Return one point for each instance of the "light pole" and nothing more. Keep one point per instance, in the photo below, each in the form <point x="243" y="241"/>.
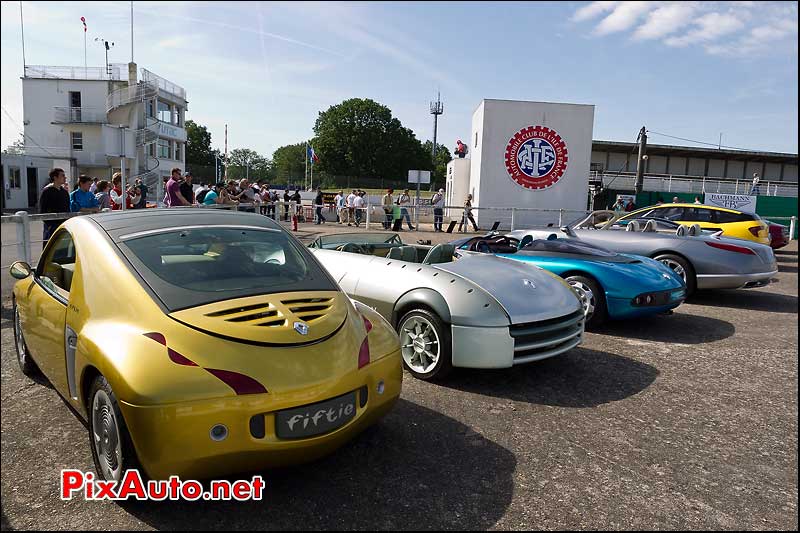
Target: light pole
<point x="437" y="108"/>
<point x="216" y="168"/>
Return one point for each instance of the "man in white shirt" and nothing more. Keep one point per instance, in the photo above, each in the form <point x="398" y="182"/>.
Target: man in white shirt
<point x="350" y="207"/>
<point x="438" y="205"/>
<point x="403" y="200"/>
<point x="358" y="206"/>
<point x="337" y="202"/>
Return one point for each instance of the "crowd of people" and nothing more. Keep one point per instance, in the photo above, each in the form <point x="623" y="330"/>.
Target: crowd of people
<point x="92" y="195"/>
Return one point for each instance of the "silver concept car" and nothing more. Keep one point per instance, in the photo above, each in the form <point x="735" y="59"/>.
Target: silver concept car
<point x="703" y="259"/>
<point x="478" y="311"/>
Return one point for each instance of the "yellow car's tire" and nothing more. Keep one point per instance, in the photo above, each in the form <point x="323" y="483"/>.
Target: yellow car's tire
<point x="425" y="344"/>
<point x="111" y="444"/>
<point x="24" y="359"/>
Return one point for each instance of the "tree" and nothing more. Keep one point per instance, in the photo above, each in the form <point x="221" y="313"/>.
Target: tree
<point x="443" y="156"/>
<point x="198" y="145"/>
<point x="17" y="147"/>
<point x="289" y="163"/>
<point x="243" y="162"/>
<point x="360" y="138"/>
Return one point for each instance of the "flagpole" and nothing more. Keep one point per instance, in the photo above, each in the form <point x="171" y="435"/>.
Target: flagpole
<point x="305" y="176"/>
<point x="22" y="29"/>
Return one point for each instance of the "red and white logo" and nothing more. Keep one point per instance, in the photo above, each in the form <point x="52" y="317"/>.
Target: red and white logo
<point x="536" y="157"/>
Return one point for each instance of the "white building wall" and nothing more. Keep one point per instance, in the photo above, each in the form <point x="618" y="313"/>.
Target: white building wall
<point x="657" y="164"/>
<point x="677" y="165"/>
<point x="497" y="121"/>
<point x="716" y="168"/>
<point x="697" y="166"/>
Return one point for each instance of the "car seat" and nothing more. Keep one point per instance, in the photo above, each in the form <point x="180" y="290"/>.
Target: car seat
<point x="695" y="230"/>
<point x="408" y="253"/>
<point x="441" y="253"/>
<point x="633" y="225"/>
<point x="681" y="231"/>
<point x="650" y="226"/>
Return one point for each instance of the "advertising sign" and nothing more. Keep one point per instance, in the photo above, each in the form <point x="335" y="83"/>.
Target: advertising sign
<point x="740" y="202"/>
<point x="419" y="176"/>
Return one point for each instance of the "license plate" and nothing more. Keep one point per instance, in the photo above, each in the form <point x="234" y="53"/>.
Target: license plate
<point x="315" y="419"/>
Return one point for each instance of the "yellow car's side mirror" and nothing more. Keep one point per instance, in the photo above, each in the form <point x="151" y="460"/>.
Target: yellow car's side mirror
<point x="20" y="270"/>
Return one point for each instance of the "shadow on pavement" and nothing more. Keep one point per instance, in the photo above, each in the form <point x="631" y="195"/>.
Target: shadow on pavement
<point x="786" y="252"/>
<point x="417" y="468"/>
<point x="679" y="328"/>
<point x="579" y="378"/>
<point x="787" y="268"/>
<point x="753" y="300"/>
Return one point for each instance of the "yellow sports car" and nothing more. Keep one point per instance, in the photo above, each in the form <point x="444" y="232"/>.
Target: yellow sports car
<point x="201" y="343"/>
<point x="732" y="223"/>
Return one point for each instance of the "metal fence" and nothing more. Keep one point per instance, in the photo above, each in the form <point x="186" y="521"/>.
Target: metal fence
<point x="693" y="184"/>
<point x="372" y="216"/>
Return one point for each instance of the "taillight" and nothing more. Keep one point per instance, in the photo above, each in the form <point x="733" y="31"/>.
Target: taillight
<point x="731" y="247"/>
<point x="363" y="352"/>
<point x="755" y="230"/>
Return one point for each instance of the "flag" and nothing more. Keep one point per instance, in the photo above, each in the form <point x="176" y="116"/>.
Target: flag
<point x="312" y="155"/>
<point x="83" y="19"/>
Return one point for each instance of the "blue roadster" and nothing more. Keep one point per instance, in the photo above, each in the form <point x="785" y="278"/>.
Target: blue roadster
<point x="610" y="285"/>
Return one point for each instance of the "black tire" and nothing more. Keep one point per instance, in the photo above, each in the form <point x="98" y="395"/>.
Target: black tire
<point x="444" y="362"/>
<point x="128" y="461"/>
<point x="584" y="285"/>
<point x="688" y="275"/>
<point x="24" y="358"/>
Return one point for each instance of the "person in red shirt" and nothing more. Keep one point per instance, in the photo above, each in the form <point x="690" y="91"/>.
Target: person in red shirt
<point x="116" y="193"/>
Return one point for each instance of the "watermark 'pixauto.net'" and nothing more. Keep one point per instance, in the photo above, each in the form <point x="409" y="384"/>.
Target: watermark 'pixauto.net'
<point x="77" y="484"/>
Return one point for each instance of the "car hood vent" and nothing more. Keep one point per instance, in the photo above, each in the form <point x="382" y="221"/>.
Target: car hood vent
<point x="284" y="319"/>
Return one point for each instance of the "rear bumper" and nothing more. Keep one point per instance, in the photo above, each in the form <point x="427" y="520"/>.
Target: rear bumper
<point x="174" y="439"/>
<point x="734" y="281"/>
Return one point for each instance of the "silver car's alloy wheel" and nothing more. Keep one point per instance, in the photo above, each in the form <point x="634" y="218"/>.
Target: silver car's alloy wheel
<point x="676" y="267"/>
<point x="586" y="295"/>
<point x="419" y="344"/>
<point x="106" y="438"/>
<point x="22" y="352"/>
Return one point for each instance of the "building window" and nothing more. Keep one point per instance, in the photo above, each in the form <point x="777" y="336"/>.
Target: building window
<point x="163" y="149"/>
<point x="164" y="113"/>
<point x="76" y="140"/>
<point x="476" y="139"/>
<point x="14" y="179"/>
<point x="177" y="151"/>
<point x="178" y="116"/>
<point x="151" y="110"/>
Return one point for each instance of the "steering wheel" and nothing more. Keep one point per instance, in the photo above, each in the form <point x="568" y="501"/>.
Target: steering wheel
<point x="352" y="248"/>
<point x="482" y="247"/>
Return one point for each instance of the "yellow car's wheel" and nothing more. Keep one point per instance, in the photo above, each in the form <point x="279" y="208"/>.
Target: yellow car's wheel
<point x="112" y="448"/>
<point x="26" y="364"/>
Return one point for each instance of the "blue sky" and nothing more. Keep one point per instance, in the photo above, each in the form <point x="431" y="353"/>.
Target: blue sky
<point x="687" y="69"/>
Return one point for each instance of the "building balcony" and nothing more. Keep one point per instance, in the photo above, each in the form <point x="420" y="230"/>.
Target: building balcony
<point x="164" y="86"/>
<point x="79" y="115"/>
<point x="115" y="72"/>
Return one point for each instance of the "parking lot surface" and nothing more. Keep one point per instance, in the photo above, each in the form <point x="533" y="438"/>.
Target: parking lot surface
<point x="686" y="421"/>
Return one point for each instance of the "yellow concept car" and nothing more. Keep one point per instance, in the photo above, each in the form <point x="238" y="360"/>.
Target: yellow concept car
<point x="201" y="343"/>
<point x="730" y="222"/>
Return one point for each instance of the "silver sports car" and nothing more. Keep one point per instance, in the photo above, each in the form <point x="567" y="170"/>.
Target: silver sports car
<point x="478" y="311"/>
<point x="705" y="260"/>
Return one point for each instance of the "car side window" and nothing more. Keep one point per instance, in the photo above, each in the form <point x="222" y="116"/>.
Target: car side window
<point x="57" y="265"/>
<point x="724" y="217"/>
<point x="670" y="213"/>
<point x="700" y="215"/>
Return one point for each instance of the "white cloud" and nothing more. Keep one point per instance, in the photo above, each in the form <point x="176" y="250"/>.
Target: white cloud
<point x="742" y="29"/>
<point x="592" y="10"/>
<point x="709" y="27"/>
<point x="625" y="15"/>
<point x="665" y="20"/>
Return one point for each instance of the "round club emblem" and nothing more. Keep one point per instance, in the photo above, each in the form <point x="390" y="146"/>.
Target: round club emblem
<point x="536" y="157"/>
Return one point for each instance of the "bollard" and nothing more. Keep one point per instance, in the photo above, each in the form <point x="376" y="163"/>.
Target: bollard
<point x="513" y="212"/>
<point x="24" y="236"/>
<point x="560" y="217"/>
<point x="792" y="228"/>
<point x="369" y="209"/>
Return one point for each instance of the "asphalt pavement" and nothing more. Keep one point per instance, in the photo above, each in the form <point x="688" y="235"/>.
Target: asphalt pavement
<point x="687" y="421"/>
